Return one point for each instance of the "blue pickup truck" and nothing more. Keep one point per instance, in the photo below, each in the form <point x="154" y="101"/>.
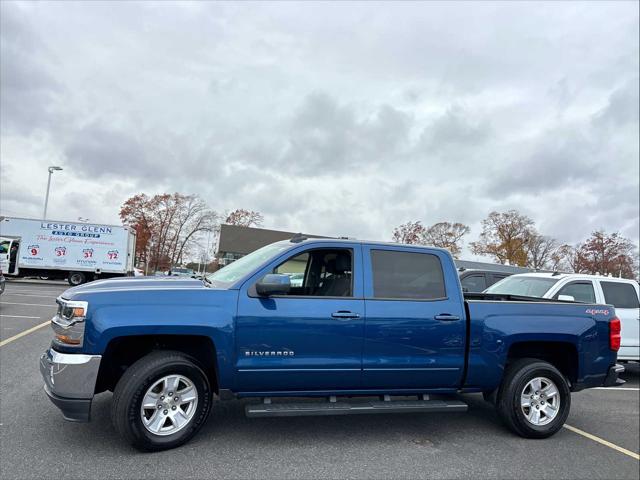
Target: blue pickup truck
<point x="365" y="328"/>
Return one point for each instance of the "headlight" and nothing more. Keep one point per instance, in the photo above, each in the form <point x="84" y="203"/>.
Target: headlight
<point x="68" y="324"/>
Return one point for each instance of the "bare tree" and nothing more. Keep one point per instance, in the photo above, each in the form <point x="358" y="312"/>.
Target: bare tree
<point x="563" y="259"/>
<point x="540" y="250"/>
<point x="195" y="217"/>
<point x="446" y="235"/>
<point x="244" y="218"/>
<point x="412" y="233"/>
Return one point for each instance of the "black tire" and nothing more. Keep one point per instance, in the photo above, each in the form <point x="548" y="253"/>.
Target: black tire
<point x="517" y="376"/>
<point x="76" y="278"/>
<point x="132" y="386"/>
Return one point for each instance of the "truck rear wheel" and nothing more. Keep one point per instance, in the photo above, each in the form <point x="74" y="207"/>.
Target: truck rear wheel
<point x="534" y="399"/>
<point x="161" y="401"/>
<point x="76" y="278"/>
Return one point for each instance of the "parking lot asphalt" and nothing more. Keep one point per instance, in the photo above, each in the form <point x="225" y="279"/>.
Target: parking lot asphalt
<point x="35" y="441"/>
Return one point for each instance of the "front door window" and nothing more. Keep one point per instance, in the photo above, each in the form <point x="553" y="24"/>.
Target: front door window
<point x="319" y="273"/>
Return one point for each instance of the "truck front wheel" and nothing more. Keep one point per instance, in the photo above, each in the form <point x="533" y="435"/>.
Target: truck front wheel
<point x="161" y="401"/>
<point x="76" y="278"/>
<point x="534" y="398"/>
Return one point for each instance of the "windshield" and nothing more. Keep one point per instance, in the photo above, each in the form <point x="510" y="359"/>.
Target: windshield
<point x="525" y="286"/>
<point x="4" y="246"/>
<point x="245" y="265"/>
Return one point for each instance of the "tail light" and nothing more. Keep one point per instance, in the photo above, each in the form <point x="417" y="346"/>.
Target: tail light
<point x="614" y="334"/>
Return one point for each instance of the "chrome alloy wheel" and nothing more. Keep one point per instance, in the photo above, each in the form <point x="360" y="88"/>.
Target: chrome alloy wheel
<point x="169" y="405"/>
<point x="540" y="401"/>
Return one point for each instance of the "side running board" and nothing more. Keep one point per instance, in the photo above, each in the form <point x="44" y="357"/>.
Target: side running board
<point x="353" y="407"/>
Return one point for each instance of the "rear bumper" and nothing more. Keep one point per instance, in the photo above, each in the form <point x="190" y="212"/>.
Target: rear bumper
<point x="611" y="380"/>
<point x="69" y="382"/>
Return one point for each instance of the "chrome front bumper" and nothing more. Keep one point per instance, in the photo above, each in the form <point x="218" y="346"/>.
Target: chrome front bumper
<point x="69" y="381"/>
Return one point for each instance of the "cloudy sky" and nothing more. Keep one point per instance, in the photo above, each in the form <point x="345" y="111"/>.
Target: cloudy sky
<point x="330" y="118"/>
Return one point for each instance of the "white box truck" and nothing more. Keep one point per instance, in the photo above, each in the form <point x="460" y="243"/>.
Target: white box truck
<point x="79" y="252"/>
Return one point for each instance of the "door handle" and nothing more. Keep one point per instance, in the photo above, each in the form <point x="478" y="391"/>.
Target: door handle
<point x="445" y="317"/>
<point x="345" y="314"/>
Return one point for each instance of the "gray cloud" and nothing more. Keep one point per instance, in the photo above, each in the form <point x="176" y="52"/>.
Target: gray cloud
<point x="622" y="107"/>
<point x="97" y="151"/>
<point x="325" y="137"/>
<point x="340" y="118"/>
<point x="29" y="92"/>
<point x="455" y="130"/>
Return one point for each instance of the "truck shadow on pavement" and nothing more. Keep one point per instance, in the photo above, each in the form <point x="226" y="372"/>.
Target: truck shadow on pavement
<point x="227" y="423"/>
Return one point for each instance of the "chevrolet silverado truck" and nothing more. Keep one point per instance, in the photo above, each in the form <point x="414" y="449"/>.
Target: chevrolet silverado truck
<point x="370" y="328"/>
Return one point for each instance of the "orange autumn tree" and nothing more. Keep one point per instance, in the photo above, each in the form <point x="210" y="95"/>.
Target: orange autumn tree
<point x="505" y="237"/>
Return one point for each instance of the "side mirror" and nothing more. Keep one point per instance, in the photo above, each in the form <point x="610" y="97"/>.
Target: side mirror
<point x="566" y="298"/>
<point x="273" y="284"/>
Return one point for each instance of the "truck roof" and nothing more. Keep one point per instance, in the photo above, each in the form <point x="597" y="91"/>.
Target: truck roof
<point x="304" y="240"/>
<point x="560" y="276"/>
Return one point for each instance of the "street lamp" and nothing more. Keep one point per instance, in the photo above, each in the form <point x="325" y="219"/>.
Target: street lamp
<point x="46" y="198"/>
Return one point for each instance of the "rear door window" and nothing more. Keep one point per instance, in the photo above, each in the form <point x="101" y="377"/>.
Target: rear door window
<point x="580" y="291"/>
<point x="474" y="283"/>
<point x="495" y="277"/>
<point x="407" y="275"/>
<point x="620" y="295"/>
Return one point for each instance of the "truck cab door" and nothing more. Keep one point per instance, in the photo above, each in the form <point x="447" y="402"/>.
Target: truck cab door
<point x="310" y="338"/>
<point x="415" y="329"/>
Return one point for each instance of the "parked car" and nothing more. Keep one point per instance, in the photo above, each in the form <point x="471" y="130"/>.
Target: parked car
<point x="621" y="293"/>
<point x="370" y="322"/>
<point x="181" y="272"/>
<point x="296" y="279"/>
<point x="476" y="281"/>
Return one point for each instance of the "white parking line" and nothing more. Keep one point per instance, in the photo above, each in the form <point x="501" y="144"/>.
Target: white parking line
<point x="49" y="292"/>
<point x="629" y="389"/>
<point x="18" y="316"/>
<point x="27" y="295"/>
<point x="22" y="334"/>
<point x="602" y="441"/>
<point x="30" y="304"/>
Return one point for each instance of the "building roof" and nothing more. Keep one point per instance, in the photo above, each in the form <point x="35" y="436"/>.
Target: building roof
<point x="244" y="240"/>
<point x="495" y="267"/>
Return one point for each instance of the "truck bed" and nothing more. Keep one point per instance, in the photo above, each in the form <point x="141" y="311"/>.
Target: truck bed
<point x="498" y="324"/>
<point x="500" y="297"/>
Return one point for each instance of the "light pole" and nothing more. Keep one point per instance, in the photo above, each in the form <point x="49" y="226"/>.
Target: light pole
<point x="46" y="198"/>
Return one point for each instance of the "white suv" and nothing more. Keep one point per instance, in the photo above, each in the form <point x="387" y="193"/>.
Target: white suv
<point x="623" y="294"/>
